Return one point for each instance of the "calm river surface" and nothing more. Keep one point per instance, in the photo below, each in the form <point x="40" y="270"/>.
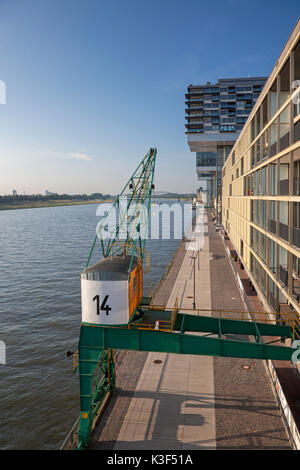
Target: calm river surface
<point x="42" y="254"/>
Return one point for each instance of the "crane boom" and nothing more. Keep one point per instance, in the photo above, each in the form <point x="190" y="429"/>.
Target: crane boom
<point x="132" y="206"/>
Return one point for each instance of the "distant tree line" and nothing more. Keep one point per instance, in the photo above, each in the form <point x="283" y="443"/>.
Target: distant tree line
<point x="173" y="195"/>
<point x="53" y="197"/>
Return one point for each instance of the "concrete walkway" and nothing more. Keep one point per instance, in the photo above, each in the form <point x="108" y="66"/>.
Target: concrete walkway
<point x="174" y="402"/>
<point x="173" y="406"/>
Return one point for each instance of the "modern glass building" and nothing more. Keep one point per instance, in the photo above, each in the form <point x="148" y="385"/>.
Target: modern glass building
<point x="261" y="186"/>
<point x="215" y="115"/>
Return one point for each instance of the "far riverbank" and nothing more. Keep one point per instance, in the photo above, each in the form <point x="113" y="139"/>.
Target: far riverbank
<point x="54" y="203"/>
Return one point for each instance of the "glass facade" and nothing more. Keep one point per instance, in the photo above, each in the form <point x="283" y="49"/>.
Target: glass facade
<point x="206" y="159"/>
<point x="228" y="101"/>
<point x="219" y="111"/>
<point x="261" y="186"/>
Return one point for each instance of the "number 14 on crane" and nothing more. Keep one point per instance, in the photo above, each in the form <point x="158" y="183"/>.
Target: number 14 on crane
<point x="104" y="305"/>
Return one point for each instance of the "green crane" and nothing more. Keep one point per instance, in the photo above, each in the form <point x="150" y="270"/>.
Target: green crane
<point x="112" y="289"/>
<point x="127" y="320"/>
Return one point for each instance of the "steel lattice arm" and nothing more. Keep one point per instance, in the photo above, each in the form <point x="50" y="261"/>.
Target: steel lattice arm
<point x="132" y="207"/>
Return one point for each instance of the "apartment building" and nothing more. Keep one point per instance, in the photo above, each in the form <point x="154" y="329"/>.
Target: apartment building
<point x="215" y="115"/>
<point x="261" y="185"/>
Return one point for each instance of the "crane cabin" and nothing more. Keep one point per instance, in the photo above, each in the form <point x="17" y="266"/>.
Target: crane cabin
<point x="111" y="290"/>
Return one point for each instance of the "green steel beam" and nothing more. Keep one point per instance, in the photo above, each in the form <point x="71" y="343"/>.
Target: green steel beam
<point x="96" y="338"/>
<point x="97" y="380"/>
<point x="97" y="368"/>
<point x="239" y="327"/>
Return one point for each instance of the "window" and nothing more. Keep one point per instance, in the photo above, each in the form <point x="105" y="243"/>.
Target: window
<point x="227" y="128"/>
<point x="257" y="212"/>
<point x="264" y="214"/>
<point x="273" y="99"/>
<point x="283" y="271"/>
<point x="252" y="129"/>
<point x="284" y="81"/>
<point x="264" y="181"/>
<point x="273" y="257"/>
<point x="264" y="145"/>
<point x="257" y="148"/>
<point x="257" y="117"/>
<point x="252" y="155"/>
<point x="273" y="216"/>
<point x="206" y="158"/>
<point x="284" y="220"/>
<point x="297" y="74"/>
<point x="258" y="183"/>
<point x="273" y="179"/>
<point x="284" y="128"/>
<point x="273" y="138"/>
<point x="264" y="113"/>
<point x="273" y="294"/>
<point x="284" y="186"/>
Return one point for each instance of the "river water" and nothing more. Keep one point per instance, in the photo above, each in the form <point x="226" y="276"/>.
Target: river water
<point x="42" y="254"/>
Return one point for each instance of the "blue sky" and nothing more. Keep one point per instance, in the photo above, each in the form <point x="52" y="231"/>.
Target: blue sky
<point x="91" y="85"/>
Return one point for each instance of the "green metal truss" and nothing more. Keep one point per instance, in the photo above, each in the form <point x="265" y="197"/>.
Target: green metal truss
<point x="132" y="207"/>
<point x="128" y="236"/>
<point x="97" y="381"/>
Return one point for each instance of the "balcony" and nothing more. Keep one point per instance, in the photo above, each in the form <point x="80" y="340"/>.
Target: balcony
<point x="227" y="105"/>
<point x="193" y="115"/>
<point x="194" y="108"/>
<point x="194" y="131"/>
<point x="284" y="141"/>
<point x="194" y="100"/>
<point x="199" y="92"/>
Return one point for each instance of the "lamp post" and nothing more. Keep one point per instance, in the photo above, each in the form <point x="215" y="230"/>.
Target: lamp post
<point x="194" y="300"/>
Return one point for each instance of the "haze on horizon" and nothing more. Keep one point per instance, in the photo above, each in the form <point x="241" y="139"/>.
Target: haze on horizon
<point x="91" y="86"/>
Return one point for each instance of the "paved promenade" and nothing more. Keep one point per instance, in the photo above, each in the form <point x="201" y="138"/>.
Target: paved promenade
<point x="170" y="401"/>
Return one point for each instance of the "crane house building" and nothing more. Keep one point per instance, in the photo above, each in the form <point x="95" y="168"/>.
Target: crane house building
<point x="261" y="186"/>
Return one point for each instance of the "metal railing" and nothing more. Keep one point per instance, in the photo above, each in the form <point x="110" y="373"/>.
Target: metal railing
<point x="291" y="319"/>
<point x="158" y="324"/>
<point x="71" y="440"/>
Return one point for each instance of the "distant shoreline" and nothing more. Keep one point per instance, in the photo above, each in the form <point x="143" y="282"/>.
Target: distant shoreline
<point x="40" y="204"/>
<point x="58" y="203"/>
